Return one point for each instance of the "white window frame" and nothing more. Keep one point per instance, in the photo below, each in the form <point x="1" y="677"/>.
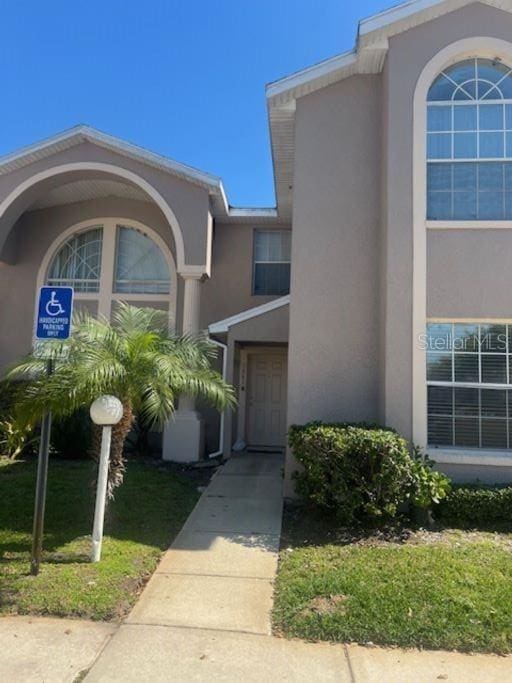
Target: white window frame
<point x="106" y="295"/>
<point x="449" y="223"/>
<point x="71" y="281"/>
<point x="467" y="47"/>
<point x="475" y="455"/>
<point x="255" y="262"/>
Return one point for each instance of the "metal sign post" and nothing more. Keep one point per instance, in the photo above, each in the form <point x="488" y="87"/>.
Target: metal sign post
<point x="42" y="477"/>
<point x="54" y="311"/>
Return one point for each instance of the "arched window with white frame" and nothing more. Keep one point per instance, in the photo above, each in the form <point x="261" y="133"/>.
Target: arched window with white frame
<point x="469" y="142"/>
<point x="469" y="178"/>
<point x="111" y="260"/>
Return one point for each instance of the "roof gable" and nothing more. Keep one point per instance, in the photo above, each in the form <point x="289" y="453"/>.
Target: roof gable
<point x="223" y="325"/>
<point x="367" y="57"/>
<point x="370" y="49"/>
<point x="82" y="133"/>
<point x="78" y="134"/>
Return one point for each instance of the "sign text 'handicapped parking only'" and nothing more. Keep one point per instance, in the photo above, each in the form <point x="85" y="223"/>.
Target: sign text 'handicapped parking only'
<point x="54" y="311"/>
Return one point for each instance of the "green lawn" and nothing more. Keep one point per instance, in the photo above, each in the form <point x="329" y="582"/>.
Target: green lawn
<point x="148" y="511"/>
<point x="446" y="590"/>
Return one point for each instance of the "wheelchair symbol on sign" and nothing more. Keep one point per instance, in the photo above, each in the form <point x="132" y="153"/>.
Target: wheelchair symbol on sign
<point x="54" y="307"/>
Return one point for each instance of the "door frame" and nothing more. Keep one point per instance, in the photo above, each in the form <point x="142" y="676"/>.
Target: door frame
<point x="243" y="380"/>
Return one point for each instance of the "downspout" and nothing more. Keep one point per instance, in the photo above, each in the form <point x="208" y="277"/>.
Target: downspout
<point x="224" y="348"/>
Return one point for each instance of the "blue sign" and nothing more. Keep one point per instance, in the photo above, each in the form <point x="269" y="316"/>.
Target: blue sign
<point x="54" y="312"/>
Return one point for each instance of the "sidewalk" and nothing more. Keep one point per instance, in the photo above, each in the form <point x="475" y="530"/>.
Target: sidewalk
<point x="35" y="649"/>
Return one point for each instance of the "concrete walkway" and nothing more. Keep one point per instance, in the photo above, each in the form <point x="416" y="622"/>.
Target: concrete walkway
<point x="218" y="573"/>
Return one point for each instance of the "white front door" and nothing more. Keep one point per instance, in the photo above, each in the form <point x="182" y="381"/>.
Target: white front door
<point x="266" y="399"/>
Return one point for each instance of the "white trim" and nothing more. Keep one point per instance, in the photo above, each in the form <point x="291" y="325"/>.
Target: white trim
<point x="252" y="213"/>
<point x="385" y="20"/>
<point x="77" y="134"/>
<point x="476" y="321"/>
<point x="311" y="74"/>
<point x="224" y="325"/>
<point x="481" y="46"/>
<point x="469" y="225"/>
<point x="193" y="272"/>
<point x="224" y="347"/>
<point x="242" y="397"/>
<point x="108" y="265"/>
<point x="113" y="170"/>
<point x="472" y="385"/>
<point x="389" y="16"/>
<point x="106" y="295"/>
<point x="370" y="50"/>
<point x="82" y="132"/>
<point x="460" y="456"/>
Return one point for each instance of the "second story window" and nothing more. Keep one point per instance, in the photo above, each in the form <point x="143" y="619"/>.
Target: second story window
<point x="469" y="142"/>
<point x="271" y="262"/>
<point x="109" y="262"/>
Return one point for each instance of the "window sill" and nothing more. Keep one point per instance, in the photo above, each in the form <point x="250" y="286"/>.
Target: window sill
<point x="469" y="225"/>
<point x="461" y="456"/>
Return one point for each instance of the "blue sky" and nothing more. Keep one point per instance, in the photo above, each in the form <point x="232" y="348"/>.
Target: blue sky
<point x="184" y="78"/>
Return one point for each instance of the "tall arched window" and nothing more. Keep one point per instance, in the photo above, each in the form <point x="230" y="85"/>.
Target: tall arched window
<point x="469" y="142"/>
<point x="110" y="261"/>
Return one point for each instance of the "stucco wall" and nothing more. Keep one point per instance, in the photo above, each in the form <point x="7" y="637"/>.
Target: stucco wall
<point x="348" y="207"/>
<point x="469" y="274"/>
<point x="35" y="232"/>
<point x="271" y="327"/>
<point x="408" y="54"/>
<point x="229" y="290"/>
<point x="333" y="352"/>
<point x="383" y="248"/>
<point x="189" y="203"/>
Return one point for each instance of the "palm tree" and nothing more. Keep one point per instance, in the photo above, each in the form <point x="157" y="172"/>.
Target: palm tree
<point x="135" y="358"/>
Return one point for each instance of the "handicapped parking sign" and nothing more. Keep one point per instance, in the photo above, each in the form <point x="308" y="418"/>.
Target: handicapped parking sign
<point x="54" y="311"/>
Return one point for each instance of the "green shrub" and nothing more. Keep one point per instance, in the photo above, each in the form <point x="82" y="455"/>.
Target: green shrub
<point x="428" y="487"/>
<point x="472" y="506"/>
<point x="362" y="472"/>
<point x="17" y="437"/>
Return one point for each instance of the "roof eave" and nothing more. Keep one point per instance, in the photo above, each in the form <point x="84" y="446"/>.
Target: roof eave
<point x="84" y="133"/>
<point x="222" y="326"/>
<point x="280" y="91"/>
<point x="370" y="49"/>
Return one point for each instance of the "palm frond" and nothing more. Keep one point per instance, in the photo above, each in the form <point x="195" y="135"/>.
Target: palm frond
<point x="134" y="358"/>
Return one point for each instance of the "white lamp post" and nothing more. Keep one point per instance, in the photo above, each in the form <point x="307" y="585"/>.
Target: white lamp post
<point x="106" y="411"/>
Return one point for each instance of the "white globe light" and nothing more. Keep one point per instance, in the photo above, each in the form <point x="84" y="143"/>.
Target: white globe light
<point x="106" y="410"/>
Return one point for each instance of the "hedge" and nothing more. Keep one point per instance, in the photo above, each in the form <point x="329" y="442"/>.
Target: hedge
<point x="472" y="506"/>
<point x="360" y="472"/>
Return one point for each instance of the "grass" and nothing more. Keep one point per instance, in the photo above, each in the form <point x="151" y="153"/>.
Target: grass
<point x="148" y="511"/>
<point x="444" y="590"/>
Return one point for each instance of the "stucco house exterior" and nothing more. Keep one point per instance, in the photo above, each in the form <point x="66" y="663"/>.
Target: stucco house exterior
<point x="378" y="289"/>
